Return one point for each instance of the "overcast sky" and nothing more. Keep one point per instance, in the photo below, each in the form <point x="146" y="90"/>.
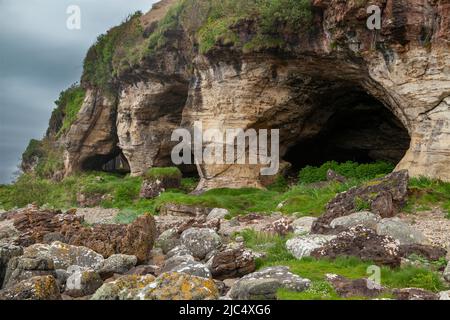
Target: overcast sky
<point x="39" y="57"/>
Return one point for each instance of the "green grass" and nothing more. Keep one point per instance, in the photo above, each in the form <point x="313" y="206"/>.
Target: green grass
<point x="162" y="172"/>
<point x="69" y="104"/>
<point x="426" y="194"/>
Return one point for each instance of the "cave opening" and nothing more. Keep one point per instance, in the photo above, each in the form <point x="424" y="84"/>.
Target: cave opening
<point x="115" y="162"/>
<point x="355" y="127"/>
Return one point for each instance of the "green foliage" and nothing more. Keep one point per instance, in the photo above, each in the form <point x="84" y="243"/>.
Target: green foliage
<point x="348" y="169"/>
<point x="361" y="204"/>
<point x="426" y="193"/>
<point x="68" y="105"/>
<point x="34" y="150"/>
<point x="162" y="172"/>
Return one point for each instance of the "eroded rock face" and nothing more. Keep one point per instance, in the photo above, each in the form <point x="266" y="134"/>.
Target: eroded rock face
<point x="36" y="288"/>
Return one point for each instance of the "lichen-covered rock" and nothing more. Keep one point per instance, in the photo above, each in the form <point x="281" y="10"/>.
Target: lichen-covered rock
<point x="364" y="218"/>
<point x="401" y="231"/>
<point x="22" y="268"/>
<point x="117" y="263"/>
<point x="414" y="294"/>
<point x="36" y="288"/>
<point x="193" y="268"/>
<point x="176" y="260"/>
<point x="168" y="240"/>
<point x="282" y="226"/>
<point x="302" y="246"/>
<point x="7" y="252"/>
<point x="363" y="243"/>
<point x="153" y="187"/>
<point x="232" y="263"/>
<point x="180" y="286"/>
<point x="263" y="284"/>
<point x="347" y="288"/>
<point x="83" y="283"/>
<point x="64" y="255"/>
<point x="431" y="253"/>
<point x="124" y="288"/>
<point x="217" y="213"/>
<point x="303" y="225"/>
<point x="184" y="210"/>
<point x="200" y="241"/>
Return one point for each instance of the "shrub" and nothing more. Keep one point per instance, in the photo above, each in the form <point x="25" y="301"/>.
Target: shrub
<point x="69" y="104"/>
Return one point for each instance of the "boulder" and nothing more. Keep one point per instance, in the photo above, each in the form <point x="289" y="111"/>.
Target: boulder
<point x="363" y="243"/>
<point x="444" y="295"/>
<point x="183" y="210"/>
<point x="124" y="288"/>
<point x="143" y="270"/>
<point x="282" y="227"/>
<point x="384" y="196"/>
<point x="152" y="187"/>
<point x="401" y="231"/>
<point x="117" y="263"/>
<point x="364" y="218"/>
<point x="218" y="213"/>
<point x="168" y="240"/>
<point x="446" y="273"/>
<point x="302" y="246"/>
<point x="200" y="241"/>
<point x="232" y="263"/>
<point x="303" y="225"/>
<point x="431" y="253"/>
<point x="23" y="268"/>
<point x="7" y="252"/>
<point x="64" y="255"/>
<point x="347" y="288"/>
<point x="414" y="294"/>
<point x="36" y="288"/>
<point x="83" y="283"/>
<point x="176" y="260"/>
<point x="180" y="286"/>
<point x="193" y="268"/>
<point x="264" y="284"/>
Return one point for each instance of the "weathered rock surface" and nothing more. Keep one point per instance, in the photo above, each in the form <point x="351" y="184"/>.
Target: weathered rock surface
<point x="22" y="268"/>
<point x="232" y="263"/>
<point x="364" y="218"/>
<point x="7" y="252"/>
<point x="193" y="268"/>
<point x="200" y="241"/>
<point x="36" y="288"/>
<point x="447" y="272"/>
<point x="431" y="253"/>
<point x="354" y="288"/>
<point x="363" y="243"/>
<point x="217" y="213"/>
<point x="401" y="231"/>
<point x="153" y="187"/>
<point x="124" y="288"/>
<point x="83" y="283"/>
<point x="303" y="246"/>
<point x="264" y="284"/>
<point x="179" y="286"/>
<point x="117" y="263"/>
<point x="303" y="225"/>
<point x="414" y="294"/>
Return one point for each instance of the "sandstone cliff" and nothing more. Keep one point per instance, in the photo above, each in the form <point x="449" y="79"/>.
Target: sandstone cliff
<point x="321" y="76"/>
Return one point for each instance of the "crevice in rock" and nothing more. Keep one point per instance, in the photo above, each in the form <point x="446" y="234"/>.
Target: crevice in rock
<point x="114" y="162"/>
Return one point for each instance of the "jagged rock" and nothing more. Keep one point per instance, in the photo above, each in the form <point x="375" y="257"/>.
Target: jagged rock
<point x="401" y="231"/>
<point x="179" y="286"/>
<point x="281" y="226"/>
<point x="390" y="190"/>
<point x="64" y="255"/>
<point x="23" y="268"/>
<point x="193" y="268"/>
<point x="303" y="225"/>
<point x="414" y="294"/>
<point x="432" y="253"/>
<point x="7" y="252"/>
<point x="217" y="213"/>
<point x="200" y="241"/>
<point x="363" y="243"/>
<point x="303" y="246"/>
<point x="354" y="288"/>
<point x="232" y="263"/>
<point x="153" y="187"/>
<point x="446" y="273"/>
<point x="168" y="240"/>
<point x="263" y="284"/>
<point x="124" y="288"/>
<point x="117" y="263"/>
<point x="83" y="283"/>
<point x="364" y="218"/>
<point x="36" y="288"/>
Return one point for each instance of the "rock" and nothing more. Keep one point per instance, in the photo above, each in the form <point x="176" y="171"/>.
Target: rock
<point x="432" y="253"/>
<point x="401" y="231"/>
<point x="64" y="255"/>
<point x="152" y="187"/>
<point x="168" y="240"/>
<point x="184" y="210"/>
<point x="180" y="286"/>
<point x="8" y="233"/>
<point x="193" y="268"/>
<point x="390" y="190"/>
<point x="124" y="288"/>
<point x="61" y="278"/>
<point x="347" y="288"/>
<point x="232" y="263"/>
<point x="281" y="227"/>
<point x="334" y="176"/>
<point x="179" y="251"/>
<point x="364" y="218"/>
<point x="363" y="243"/>
<point x="144" y="270"/>
<point x="444" y="295"/>
<point x="303" y="225"/>
<point x="173" y="262"/>
<point x="83" y="283"/>
<point x="263" y="284"/>
<point x="447" y="272"/>
<point x="117" y="263"/>
<point x="414" y="294"/>
<point x="23" y="268"/>
<point x="302" y="246"/>
<point x="218" y="213"/>
<point x="36" y="288"/>
<point x="7" y="252"/>
<point x="200" y="241"/>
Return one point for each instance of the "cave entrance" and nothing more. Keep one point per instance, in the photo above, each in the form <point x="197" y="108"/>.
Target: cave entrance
<point x="355" y="127"/>
<point x="114" y="162"/>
